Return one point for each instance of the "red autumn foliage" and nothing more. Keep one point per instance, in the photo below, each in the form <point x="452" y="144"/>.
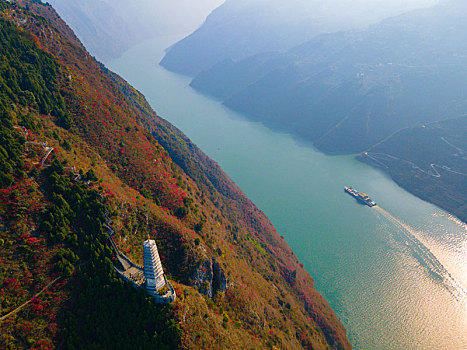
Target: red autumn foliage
<point x="32" y="241"/>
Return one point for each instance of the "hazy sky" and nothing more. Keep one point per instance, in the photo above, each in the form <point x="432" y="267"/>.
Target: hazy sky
<point x="339" y="9"/>
<point x="184" y="16"/>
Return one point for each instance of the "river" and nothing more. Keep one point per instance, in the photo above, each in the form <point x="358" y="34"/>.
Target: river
<point x="396" y="274"/>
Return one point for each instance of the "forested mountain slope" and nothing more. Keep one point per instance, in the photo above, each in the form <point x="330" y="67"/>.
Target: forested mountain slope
<point x="241" y="28"/>
<point x="109" y="159"/>
<point x="430" y="161"/>
<point x="347" y="91"/>
<point x="104" y="30"/>
<point x="381" y="90"/>
<point x="110" y="27"/>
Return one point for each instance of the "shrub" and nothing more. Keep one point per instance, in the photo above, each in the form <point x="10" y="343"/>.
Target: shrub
<point x="163" y="290"/>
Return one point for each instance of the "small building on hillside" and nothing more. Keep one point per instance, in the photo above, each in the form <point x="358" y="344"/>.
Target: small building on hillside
<point x="150" y="277"/>
<point x="152" y="267"/>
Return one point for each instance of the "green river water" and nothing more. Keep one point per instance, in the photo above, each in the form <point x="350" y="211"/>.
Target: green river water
<point x="396" y="274"/>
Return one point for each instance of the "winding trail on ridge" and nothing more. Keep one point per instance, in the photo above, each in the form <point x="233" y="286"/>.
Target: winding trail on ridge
<point x="374" y="156"/>
<point x="27" y="302"/>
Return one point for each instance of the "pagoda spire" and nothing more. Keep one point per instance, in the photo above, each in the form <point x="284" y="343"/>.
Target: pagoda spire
<point x="152" y="266"/>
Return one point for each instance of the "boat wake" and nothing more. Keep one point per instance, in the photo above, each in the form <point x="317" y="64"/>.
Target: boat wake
<point x="425" y="256"/>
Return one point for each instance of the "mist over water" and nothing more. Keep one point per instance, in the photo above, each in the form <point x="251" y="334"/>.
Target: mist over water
<point x="395" y="275"/>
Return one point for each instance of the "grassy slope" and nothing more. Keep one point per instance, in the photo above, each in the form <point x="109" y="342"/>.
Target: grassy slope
<point x="270" y="300"/>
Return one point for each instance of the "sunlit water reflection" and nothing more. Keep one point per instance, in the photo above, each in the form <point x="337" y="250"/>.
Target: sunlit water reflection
<point x="396" y="275"/>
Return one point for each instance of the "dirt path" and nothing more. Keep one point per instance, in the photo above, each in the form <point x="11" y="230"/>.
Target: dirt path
<point x="27" y="302"/>
<point x="374" y="156"/>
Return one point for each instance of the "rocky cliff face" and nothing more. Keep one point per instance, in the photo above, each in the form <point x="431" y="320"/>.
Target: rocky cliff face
<point x="219" y="281"/>
<point x="209" y="278"/>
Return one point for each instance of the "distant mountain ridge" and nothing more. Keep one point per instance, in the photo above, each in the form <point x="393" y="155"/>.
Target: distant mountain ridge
<point x="100" y="24"/>
<point x="110" y="27"/>
<point x="241" y="28"/>
<point x="348" y="90"/>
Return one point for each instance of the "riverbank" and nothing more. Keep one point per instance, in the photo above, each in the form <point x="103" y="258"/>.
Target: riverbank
<point x="362" y="263"/>
<point x="435" y="170"/>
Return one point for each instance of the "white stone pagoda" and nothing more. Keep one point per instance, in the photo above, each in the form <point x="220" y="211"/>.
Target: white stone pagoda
<point x="152" y="268"/>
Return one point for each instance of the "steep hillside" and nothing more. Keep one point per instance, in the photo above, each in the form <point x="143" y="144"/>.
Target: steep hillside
<point x="102" y="28"/>
<point x="240" y="28"/>
<point x="110" y="160"/>
<point x="430" y="161"/>
<point x="348" y="91"/>
<point x="110" y="27"/>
